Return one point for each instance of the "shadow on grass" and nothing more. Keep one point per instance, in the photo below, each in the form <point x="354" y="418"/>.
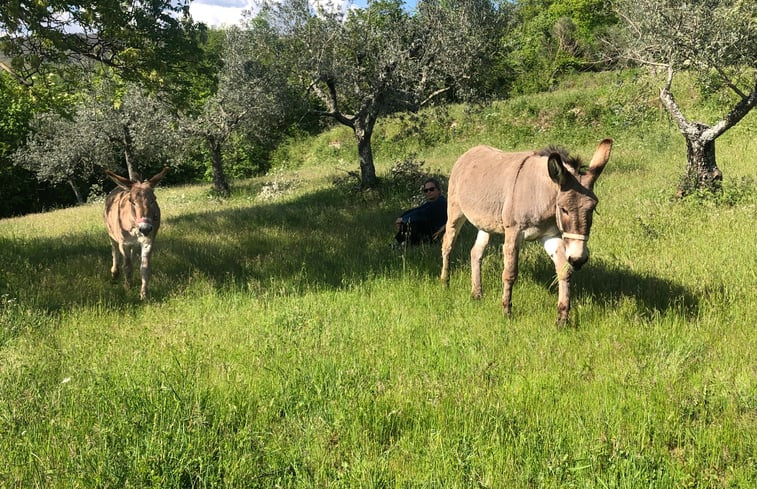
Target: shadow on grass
<point x="321" y="240"/>
<point x="605" y="282"/>
<point x="610" y="284"/>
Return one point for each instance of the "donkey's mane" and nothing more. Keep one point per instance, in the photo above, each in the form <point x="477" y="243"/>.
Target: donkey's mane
<point x="574" y="162"/>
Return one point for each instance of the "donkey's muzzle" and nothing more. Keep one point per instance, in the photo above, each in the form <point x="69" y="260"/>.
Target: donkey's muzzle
<point x="578" y="261"/>
<point x="144" y="225"/>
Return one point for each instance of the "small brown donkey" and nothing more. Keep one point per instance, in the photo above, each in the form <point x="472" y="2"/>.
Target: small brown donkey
<point x="529" y="195"/>
<point x="132" y="217"/>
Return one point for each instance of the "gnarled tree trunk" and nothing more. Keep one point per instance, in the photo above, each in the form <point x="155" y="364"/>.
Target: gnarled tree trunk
<point x="128" y="143"/>
<point x="77" y="192"/>
<point x="220" y="183"/>
<point x="702" y="170"/>
<point x="363" y="132"/>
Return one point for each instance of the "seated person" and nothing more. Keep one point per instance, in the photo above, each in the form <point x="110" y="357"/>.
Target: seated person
<point x="424" y="223"/>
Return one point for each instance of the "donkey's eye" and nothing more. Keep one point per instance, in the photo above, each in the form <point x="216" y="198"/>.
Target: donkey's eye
<point x="564" y="210"/>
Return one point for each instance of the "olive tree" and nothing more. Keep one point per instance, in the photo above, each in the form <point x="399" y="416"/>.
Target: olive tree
<point x="713" y="38"/>
<point x="109" y="129"/>
<point x="251" y="99"/>
<point x="382" y="59"/>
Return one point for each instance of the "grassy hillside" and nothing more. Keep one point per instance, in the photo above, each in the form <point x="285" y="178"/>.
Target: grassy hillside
<point x="286" y="345"/>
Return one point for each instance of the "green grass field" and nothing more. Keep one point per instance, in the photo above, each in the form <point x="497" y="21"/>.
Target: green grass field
<point x="286" y="345"/>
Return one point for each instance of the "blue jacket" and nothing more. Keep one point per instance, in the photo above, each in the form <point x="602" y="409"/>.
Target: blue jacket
<point x="433" y="213"/>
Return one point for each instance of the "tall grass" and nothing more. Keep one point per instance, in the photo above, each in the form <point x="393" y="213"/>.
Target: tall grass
<point x="286" y="345"/>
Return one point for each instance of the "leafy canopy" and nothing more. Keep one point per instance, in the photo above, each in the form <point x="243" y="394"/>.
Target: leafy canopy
<point x="152" y="41"/>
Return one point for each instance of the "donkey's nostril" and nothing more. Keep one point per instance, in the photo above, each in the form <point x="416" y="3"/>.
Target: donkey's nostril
<point x="145" y="228"/>
<point x="578" y="262"/>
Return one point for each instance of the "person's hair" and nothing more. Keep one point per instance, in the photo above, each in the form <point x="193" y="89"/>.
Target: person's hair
<point x="434" y="181"/>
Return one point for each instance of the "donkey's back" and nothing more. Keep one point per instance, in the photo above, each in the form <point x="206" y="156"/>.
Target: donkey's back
<point x="494" y="189"/>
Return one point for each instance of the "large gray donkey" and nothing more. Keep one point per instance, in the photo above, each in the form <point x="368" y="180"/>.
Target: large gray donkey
<point x="530" y="195"/>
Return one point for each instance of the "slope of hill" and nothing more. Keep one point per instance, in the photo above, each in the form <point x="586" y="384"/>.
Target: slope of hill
<point x="286" y="345"/>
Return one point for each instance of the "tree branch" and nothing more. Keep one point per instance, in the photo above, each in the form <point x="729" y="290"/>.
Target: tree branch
<point x="330" y="101"/>
<point x="666" y="96"/>
<point x="434" y="95"/>
<point x="728" y="82"/>
<point x="15" y="75"/>
<point x="738" y="112"/>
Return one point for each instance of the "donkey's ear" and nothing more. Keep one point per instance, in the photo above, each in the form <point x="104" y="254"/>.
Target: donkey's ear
<point x="122" y="182"/>
<point x="598" y="161"/>
<point x="154" y="180"/>
<point x="556" y="169"/>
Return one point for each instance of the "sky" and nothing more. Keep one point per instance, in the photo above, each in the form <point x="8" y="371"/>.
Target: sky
<point x="219" y="13"/>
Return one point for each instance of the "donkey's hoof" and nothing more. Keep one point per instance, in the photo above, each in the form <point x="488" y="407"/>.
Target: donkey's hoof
<point x="562" y="323"/>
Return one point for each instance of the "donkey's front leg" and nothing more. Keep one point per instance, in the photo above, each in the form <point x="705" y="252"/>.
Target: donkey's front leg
<point x="115" y="252"/>
<point x="563" y="301"/>
<point x="127" y="262"/>
<point x="510" y="250"/>
<point x="555" y="247"/>
<point x="144" y="268"/>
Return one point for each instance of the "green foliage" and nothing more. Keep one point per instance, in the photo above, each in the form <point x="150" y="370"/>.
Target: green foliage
<point x="20" y="191"/>
<point x="555" y="37"/>
<point x="114" y="127"/>
<point x="151" y="41"/>
<point x="738" y="192"/>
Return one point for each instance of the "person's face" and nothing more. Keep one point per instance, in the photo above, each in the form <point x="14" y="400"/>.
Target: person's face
<point x="431" y="191"/>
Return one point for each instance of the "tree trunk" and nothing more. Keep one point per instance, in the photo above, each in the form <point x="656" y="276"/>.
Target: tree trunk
<point x="363" y="133"/>
<point x="77" y="193"/>
<point x="702" y="172"/>
<point x="220" y="183"/>
<point x="128" y="155"/>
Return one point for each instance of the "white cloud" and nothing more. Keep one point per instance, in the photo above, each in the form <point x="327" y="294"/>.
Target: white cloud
<point x="219" y="13"/>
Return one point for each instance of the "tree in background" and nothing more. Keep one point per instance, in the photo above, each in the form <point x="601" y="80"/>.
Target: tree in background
<point x="557" y="36"/>
<point x="115" y="127"/>
<point x="16" y="187"/>
<point x="252" y="98"/>
<point x="20" y="191"/>
<point x="717" y="40"/>
<point x="380" y="59"/>
<point x="152" y="41"/>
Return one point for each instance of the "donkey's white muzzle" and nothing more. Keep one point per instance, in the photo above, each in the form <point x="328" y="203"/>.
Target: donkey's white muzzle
<point x="144" y="225"/>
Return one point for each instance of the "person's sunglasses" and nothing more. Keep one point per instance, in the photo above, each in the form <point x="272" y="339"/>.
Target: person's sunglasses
<point x="429" y="189"/>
